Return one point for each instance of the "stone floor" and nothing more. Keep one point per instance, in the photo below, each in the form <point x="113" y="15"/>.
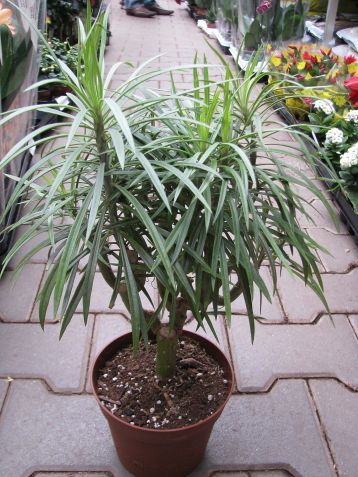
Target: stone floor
<point x="295" y="407"/>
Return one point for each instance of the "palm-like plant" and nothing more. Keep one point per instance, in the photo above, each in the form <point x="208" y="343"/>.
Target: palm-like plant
<point x="187" y="188"/>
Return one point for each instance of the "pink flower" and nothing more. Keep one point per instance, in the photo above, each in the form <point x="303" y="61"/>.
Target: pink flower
<point x="264" y="6"/>
<point x="308" y="100"/>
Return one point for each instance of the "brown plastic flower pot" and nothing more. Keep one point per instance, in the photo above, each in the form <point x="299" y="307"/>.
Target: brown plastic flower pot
<point x="161" y="452"/>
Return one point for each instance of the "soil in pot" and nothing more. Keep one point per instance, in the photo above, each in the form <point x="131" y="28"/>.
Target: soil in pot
<point x="128" y="387"/>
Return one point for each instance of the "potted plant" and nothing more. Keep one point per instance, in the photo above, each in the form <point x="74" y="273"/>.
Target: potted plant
<point x="51" y="70"/>
<point x="186" y="189"/>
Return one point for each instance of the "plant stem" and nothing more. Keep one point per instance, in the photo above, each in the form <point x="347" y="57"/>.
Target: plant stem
<point x="167" y="343"/>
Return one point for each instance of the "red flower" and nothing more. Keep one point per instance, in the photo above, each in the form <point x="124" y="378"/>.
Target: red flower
<point x="349" y="59"/>
<point x="300" y="77"/>
<point x="306" y="55"/>
<point x="314" y="59"/>
<point x="326" y="52"/>
<point x="352" y="85"/>
<point x="308" y="66"/>
<point x="308" y="100"/>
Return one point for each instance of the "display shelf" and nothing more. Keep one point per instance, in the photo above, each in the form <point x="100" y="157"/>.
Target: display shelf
<point x="210" y="32"/>
<point x="224" y="44"/>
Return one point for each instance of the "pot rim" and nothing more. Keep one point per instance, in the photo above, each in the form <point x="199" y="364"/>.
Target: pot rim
<point x="213" y="416"/>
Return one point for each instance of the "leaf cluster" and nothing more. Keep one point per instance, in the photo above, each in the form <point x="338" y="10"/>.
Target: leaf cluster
<point x="185" y="188"/>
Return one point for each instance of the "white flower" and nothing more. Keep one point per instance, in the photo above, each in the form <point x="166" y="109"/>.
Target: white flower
<point x="349" y="158"/>
<point x="324" y="105"/>
<point x="334" y="136"/>
<point x="352" y="116"/>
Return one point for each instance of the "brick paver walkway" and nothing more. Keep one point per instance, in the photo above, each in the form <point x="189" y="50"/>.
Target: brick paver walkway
<point x="295" y="408"/>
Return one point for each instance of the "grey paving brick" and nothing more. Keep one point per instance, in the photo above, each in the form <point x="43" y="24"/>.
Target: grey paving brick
<point x="338" y="409"/>
<point x="27" y="351"/>
<point x="342" y="248"/>
<point x="107" y="328"/>
<point x="17" y="299"/>
<point x="219" y="326"/>
<point x="274" y="430"/>
<point x="282" y="351"/>
<point x="262" y="308"/>
<point x="72" y="474"/>
<point x="56" y="432"/>
<point x="4" y="384"/>
<point x="100" y="298"/>
<point x="354" y="321"/>
<point x="39" y="257"/>
<point x="302" y="305"/>
<point x="229" y="474"/>
<point x="320" y="218"/>
<point x="271" y="473"/>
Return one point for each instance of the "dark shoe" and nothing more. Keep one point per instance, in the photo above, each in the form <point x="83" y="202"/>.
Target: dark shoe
<point x="154" y="7"/>
<point x="140" y="12"/>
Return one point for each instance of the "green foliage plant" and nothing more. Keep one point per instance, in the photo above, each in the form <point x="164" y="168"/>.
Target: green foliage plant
<point x="63" y="51"/>
<point x="274" y="21"/>
<point x="185" y="188"/>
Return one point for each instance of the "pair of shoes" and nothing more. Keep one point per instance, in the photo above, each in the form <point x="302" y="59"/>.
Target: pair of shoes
<point x="141" y="12"/>
<point x="158" y="10"/>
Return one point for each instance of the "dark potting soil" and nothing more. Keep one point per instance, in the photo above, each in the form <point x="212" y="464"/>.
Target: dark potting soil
<point x="128" y="387"/>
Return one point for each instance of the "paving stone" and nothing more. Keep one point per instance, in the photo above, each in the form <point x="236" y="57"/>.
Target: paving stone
<point x="302" y="305"/>
<point x="56" y="432"/>
<point x="342" y="248"/>
<point x="107" y="328"/>
<point x="274" y="430"/>
<point x="27" y="351"/>
<point x="262" y="308"/>
<point x="17" y="299"/>
<point x="100" y="298"/>
<point x="39" y="257"/>
<point x="229" y="474"/>
<point x="4" y="384"/>
<point x="71" y="474"/>
<point x="219" y="326"/>
<point x="283" y="351"/>
<point x="320" y="218"/>
<point x="354" y="322"/>
<point x="271" y="473"/>
<point x="338" y="409"/>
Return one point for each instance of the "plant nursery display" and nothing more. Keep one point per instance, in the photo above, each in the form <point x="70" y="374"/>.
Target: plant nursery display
<point x="339" y="138"/>
<point x="51" y="70"/>
<point x="186" y="190"/>
<point x="270" y="21"/>
<point x="18" y="69"/>
<point x="322" y="74"/>
<point x="329" y="94"/>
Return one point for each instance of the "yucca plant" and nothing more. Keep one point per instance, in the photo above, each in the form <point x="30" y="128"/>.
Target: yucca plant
<point x="187" y="188"/>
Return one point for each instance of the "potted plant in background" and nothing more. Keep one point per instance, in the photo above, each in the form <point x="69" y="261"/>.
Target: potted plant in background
<point x="51" y="70"/>
<point x="186" y="188"/>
